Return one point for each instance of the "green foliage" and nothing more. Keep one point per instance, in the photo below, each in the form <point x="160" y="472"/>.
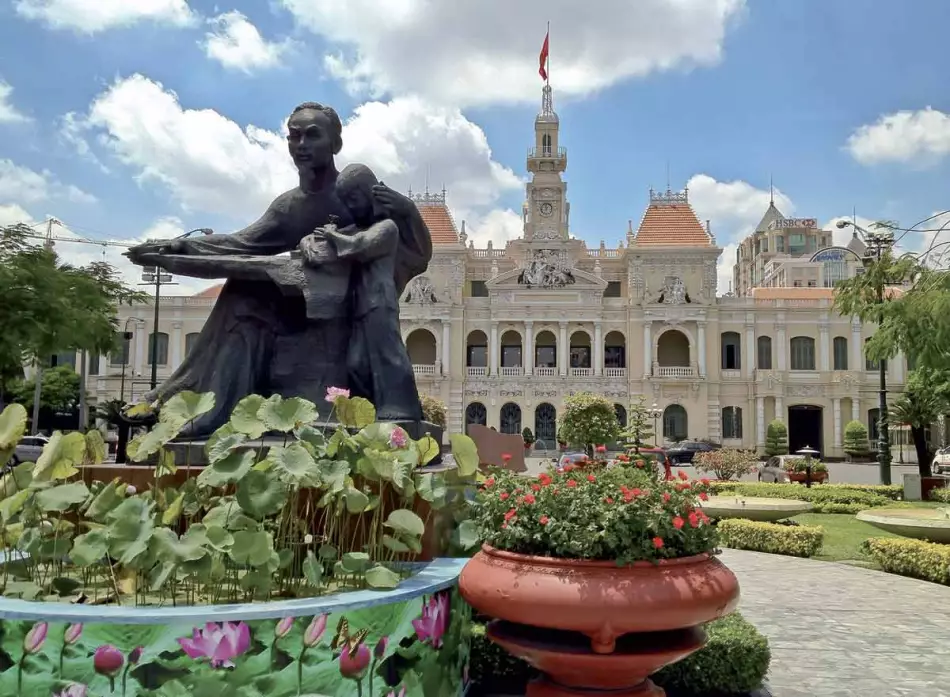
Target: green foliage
<point x="59" y="389"/>
<point x="776" y="438"/>
<point x="856" y="439"/>
<point x="727" y="463"/>
<point x="493" y="670"/>
<point x="791" y="540"/>
<point x="942" y="495"/>
<point x="827" y="498"/>
<point x="800" y="465"/>
<point x="527" y="436"/>
<point x="923" y="402"/>
<point x="308" y="515"/>
<point x="623" y="514"/>
<point x="639" y="424"/>
<point x="433" y="410"/>
<point x="588" y="420"/>
<point x="914" y="558"/>
<point x="735" y="660"/>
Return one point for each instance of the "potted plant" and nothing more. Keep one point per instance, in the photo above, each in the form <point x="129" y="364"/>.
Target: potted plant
<point x="286" y="566"/>
<point x="528" y="437"/>
<point x="796" y="468"/>
<point x="576" y="564"/>
<point x="587" y="420"/>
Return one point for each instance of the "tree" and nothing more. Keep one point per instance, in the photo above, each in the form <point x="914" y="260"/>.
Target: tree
<point x="776" y="439"/>
<point x="60" y="390"/>
<point x="727" y="463"/>
<point x="856" y="439"/>
<point x="638" y="424"/>
<point x="588" y="420"/>
<point x="924" y="400"/>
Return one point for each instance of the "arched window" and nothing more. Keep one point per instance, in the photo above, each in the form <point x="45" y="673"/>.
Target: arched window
<point x="871" y="364"/>
<point x="732" y="422"/>
<point x="511" y="418"/>
<point x="840" y="350"/>
<point x="545" y="424"/>
<point x="421" y="347"/>
<point x="121" y="355"/>
<point x="731" y="345"/>
<point x="158" y="346"/>
<point x="476" y="350"/>
<point x="190" y="340"/>
<point x="675" y="423"/>
<point x="763" y="358"/>
<point x="475" y="413"/>
<point x="546" y="145"/>
<point x="621" y="415"/>
<point x="803" y="353"/>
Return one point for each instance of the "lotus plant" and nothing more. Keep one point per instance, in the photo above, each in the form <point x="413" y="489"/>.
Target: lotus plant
<point x="70" y="636"/>
<point x="280" y="631"/>
<point x="32" y="643"/>
<point x="219" y="643"/>
<point x="108" y="661"/>
<point x="354" y="664"/>
<point x="434" y="622"/>
<point x="311" y="637"/>
<point x="74" y="690"/>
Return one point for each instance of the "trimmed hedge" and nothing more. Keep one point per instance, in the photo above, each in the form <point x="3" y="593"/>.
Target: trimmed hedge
<point x="941" y="495"/>
<point x="825" y="498"/>
<point x="734" y="661"/>
<point x="791" y="540"/>
<point x="915" y="558"/>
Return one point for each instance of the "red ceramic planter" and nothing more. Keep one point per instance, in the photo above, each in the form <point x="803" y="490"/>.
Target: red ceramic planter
<point x="800" y="477"/>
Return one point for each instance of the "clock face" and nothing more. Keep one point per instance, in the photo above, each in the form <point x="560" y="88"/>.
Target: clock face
<point x="546" y="209"/>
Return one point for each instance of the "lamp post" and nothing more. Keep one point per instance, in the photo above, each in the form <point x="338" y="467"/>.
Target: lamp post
<point x="808" y="454"/>
<point x="655" y="414"/>
<point x="877" y="244"/>
<point x="126" y="353"/>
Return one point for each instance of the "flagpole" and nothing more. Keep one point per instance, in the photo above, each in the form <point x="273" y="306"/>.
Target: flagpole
<point x="547" y="81"/>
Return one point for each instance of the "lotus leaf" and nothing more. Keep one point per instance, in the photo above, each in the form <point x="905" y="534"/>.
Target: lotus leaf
<point x="130" y="528"/>
<point x="12" y="427"/>
<point x="141" y="447"/>
<point x="89" y="548"/>
<point x="405" y="522"/>
<point x="95" y="448"/>
<point x="465" y="453"/>
<point x="293" y="460"/>
<point x="285" y="415"/>
<point x="246" y="417"/>
<point x="261" y="494"/>
<point x="381" y="577"/>
<point x="60" y="457"/>
<point x="61" y="497"/>
<point x="185" y="407"/>
<point x="428" y="449"/>
<point x="252" y="547"/>
<point x="355" y="412"/>
<point x="228" y="470"/>
<point x="312" y="569"/>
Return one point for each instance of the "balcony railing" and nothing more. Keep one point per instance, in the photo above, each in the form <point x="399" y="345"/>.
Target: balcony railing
<point x="729" y="373"/>
<point x="423" y="370"/>
<point x="512" y="371"/>
<point x="674" y="372"/>
<point x="476" y="372"/>
<point x="545" y="372"/>
<point x="615" y="372"/>
<point x="582" y="372"/>
<point x="548" y="151"/>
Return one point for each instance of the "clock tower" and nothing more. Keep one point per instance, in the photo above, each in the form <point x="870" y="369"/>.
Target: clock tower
<point x="546" y="210"/>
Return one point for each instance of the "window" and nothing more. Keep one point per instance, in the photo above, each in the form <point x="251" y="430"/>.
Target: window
<point x="93" y="364"/>
<point x="764" y="353"/>
<point x="511" y="356"/>
<point x="873" y="426"/>
<point x="674" y="423"/>
<point x="780" y="243"/>
<point x="121" y="357"/>
<point x="477" y="357"/>
<point x="158" y="346"/>
<point x="868" y="363"/>
<point x="732" y="422"/>
<point x="731" y="348"/>
<point x="580" y="356"/>
<point x="803" y="353"/>
<point x="545" y="424"/>
<point x="511" y="419"/>
<point x="64" y="358"/>
<point x="621" y="415"/>
<point x="479" y="289"/>
<point x="190" y="340"/>
<point x="812" y="284"/>
<point x="475" y="413"/>
<point x="615" y="357"/>
<point x="546" y="145"/>
<point x="613" y="289"/>
<point x="841" y="353"/>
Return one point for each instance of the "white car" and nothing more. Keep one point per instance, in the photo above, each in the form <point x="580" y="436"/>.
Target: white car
<point x="941" y="463"/>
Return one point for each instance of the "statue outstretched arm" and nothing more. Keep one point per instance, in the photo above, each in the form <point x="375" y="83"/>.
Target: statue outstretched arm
<point x="374" y="242"/>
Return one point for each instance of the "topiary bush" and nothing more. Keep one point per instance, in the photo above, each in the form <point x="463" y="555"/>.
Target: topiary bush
<point x="942" y="495"/>
<point x="856" y="440"/>
<point x="791" y="540"/>
<point x="727" y="463"/>
<point x="588" y="420"/>
<point x="827" y="498"/>
<point x="433" y="410"/>
<point x="734" y="661"/>
<point x="914" y="558"/>
<point x="776" y="439"/>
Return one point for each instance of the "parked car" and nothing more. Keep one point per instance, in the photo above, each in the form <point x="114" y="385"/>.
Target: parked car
<point x="29" y="449"/>
<point x="571" y="459"/>
<point x="774" y="469"/>
<point x="683" y="452"/>
<point x="941" y="463"/>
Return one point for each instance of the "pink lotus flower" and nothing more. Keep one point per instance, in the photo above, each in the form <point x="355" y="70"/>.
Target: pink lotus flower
<point x="108" y="660"/>
<point x="219" y="643"/>
<point x="354" y="667"/>
<point x="334" y="392"/>
<point x="381" y="647"/>
<point x="136" y="654"/>
<point x="74" y="690"/>
<point x="283" y="627"/>
<point x="434" y="621"/>
<point x="72" y="633"/>
<point x="398" y="438"/>
<point x="314" y="631"/>
<point x="33" y="641"/>
<point x="402" y="692"/>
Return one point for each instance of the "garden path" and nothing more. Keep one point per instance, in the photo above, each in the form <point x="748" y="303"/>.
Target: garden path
<point x="843" y="631"/>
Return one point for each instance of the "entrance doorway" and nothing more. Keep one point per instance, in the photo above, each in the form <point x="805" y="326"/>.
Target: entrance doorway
<point x="804" y="428"/>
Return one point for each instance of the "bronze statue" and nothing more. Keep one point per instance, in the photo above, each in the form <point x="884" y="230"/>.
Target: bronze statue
<point x="284" y="325"/>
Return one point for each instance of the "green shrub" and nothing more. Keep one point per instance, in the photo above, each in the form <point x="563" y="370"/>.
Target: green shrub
<point x="894" y="492"/>
<point x="856" y="439"/>
<point x="826" y="498"/>
<point x="941" y="495"/>
<point x="799" y="464"/>
<point x="494" y="670"/>
<point x="735" y="660"/>
<point x="776" y="439"/>
<point x="433" y="410"/>
<point x="914" y="558"/>
<point x="791" y="540"/>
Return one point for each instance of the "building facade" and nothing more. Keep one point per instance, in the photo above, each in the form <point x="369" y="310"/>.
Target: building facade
<point x="503" y="336"/>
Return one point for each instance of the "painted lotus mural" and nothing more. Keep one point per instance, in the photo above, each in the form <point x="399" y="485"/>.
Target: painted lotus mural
<point x="416" y="648"/>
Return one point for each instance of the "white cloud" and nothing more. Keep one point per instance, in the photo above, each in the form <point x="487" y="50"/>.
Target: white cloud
<point x="23" y="185"/>
<point x="485" y="51"/>
<point x="237" y="44"/>
<point x="498" y="226"/>
<point x="8" y="113"/>
<point x="11" y="213"/>
<point x="71" y="130"/>
<point x="921" y="136"/>
<point x="209" y="163"/>
<point x="91" y="16"/>
<point x="734" y="209"/>
<point x="929" y="237"/>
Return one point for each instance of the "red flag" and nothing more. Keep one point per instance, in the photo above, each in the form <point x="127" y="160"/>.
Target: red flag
<point x="543" y="70"/>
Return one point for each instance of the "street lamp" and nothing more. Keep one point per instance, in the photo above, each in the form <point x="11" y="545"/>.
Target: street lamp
<point x="126" y="352"/>
<point x="877" y="244"/>
<point x="655" y="412"/>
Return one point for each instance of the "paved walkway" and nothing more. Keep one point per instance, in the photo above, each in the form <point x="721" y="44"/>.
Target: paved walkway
<point x="842" y="631"/>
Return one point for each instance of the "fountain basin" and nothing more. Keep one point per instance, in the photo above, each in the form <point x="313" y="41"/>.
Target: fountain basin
<point x="761" y="509"/>
<point x="931" y="524"/>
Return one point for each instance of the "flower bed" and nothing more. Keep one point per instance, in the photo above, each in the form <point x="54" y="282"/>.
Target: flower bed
<point x="407" y="642"/>
<point x="828" y="498"/>
<point x="915" y="558"/>
<point x="791" y="540"/>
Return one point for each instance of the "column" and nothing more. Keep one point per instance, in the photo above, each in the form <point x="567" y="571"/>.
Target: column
<point x="528" y="348"/>
<point x="855" y="409"/>
<point x="896" y="368"/>
<point x="857" y="346"/>
<point x="836" y="406"/>
<point x="446" y="346"/>
<point x="598" y="349"/>
<point x="780" y="409"/>
<point x="749" y="350"/>
<point x="175" y="345"/>
<point x="701" y="348"/>
<point x="562" y="352"/>
<point x="493" y="350"/>
<point x="647" y="348"/>
<point x="103" y="365"/>
<point x="781" y="348"/>
<point x="760" y="421"/>
<point x="140" y="340"/>
<point x="824" y="348"/>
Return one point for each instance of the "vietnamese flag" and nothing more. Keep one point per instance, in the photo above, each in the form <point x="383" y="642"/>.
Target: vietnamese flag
<point x="543" y="59"/>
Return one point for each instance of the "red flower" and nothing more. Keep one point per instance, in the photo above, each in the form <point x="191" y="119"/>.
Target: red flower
<point x="568" y="468"/>
<point x="535" y="487"/>
<point x="543" y="520"/>
<point x="658" y="542"/>
<point x="608" y="500"/>
<point x="519" y="490"/>
<point x="545" y="479"/>
<point x="678" y="522"/>
<point x="510" y="515"/>
<point x="571" y="483"/>
<point x="554" y="491"/>
<point x="504" y="495"/>
<point x="529" y="498"/>
<point x="703" y="496"/>
<point x="591" y="478"/>
<point x="682" y="486"/>
<point x="682" y="475"/>
<point x="703" y="516"/>
<point x="623" y="457"/>
<point x="601" y="448"/>
<point x="666" y="496"/>
<point x="490" y="482"/>
<point x="506" y="458"/>
<point x="640" y="463"/>
<point x="694" y="519"/>
<point x="704" y="481"/>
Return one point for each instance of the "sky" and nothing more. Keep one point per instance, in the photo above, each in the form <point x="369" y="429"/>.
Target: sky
<point x="133" y="120"/>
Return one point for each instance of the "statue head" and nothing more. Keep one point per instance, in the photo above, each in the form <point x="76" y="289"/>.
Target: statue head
<point x="354" y="186"/>
<point x="315" y="135"/>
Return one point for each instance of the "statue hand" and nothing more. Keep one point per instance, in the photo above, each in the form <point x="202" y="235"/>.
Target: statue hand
<point x="315" y="249"/>
<point x="390" y="201"/>
<point x="140" y="252"/>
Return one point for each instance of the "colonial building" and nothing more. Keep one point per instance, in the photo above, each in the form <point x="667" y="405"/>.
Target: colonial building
<point x="504" y="335"/>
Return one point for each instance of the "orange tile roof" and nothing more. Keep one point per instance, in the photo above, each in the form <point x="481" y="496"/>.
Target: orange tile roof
<point x="672" y="224"/>
<point x="440" y="223"/>
<point x="209" y="293"/>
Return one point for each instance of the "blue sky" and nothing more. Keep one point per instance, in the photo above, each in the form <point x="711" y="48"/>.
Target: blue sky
<point x="830" y="97"/>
